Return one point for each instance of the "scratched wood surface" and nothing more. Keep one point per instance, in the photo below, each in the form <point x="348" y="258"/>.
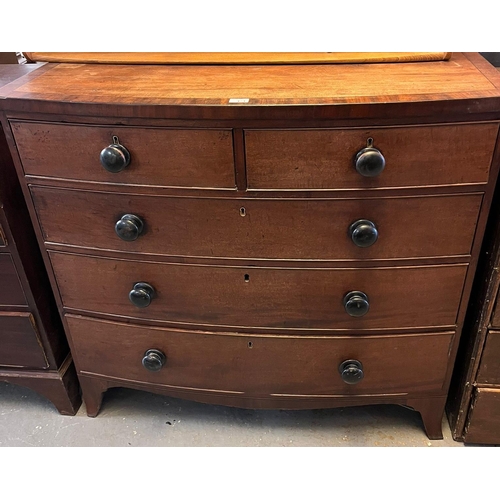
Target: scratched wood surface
<point x="266" y="84"/>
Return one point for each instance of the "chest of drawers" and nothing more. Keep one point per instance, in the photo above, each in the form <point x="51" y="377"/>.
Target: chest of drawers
<point x="311" y="246"/>
<point x="34" y="351"/>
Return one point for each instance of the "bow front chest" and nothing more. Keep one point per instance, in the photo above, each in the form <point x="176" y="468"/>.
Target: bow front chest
<point x="280" y="236"/>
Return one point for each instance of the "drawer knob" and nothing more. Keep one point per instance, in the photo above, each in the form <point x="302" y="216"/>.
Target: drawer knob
<point x="129" y="227"/>
<point x="363" y="233"/>
<point x="153" y="360"/>
<point x="115" y="157"/>
<point x="369" y="162"/>
<point x="351" y="371"/>
<point x="141" y="295"/>
<point x="356" y="304"/>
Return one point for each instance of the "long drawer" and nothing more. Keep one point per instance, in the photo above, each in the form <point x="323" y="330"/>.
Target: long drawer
<point x="414" y="156"/>
<point x="282" y="298"/>
<point x="261" y="365"/>
<point x="407" y="227"/>
<point x="11" y="292"/>
<point x="164" y="157"/>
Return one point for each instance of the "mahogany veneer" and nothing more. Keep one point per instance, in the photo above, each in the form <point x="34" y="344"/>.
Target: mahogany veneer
<point x="261" y="236"/>
<point x="33" y="348"/>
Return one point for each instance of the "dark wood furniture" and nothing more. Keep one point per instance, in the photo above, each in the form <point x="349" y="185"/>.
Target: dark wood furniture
<point x="261" y="236"/>
<point x="34" y="351"/>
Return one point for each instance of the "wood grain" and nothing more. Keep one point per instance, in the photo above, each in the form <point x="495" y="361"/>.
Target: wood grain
<point x="190" y="158"/>
<point x="409" y="227"/>
<point x="11" y="292"/>
<point x="482" y="426"/>
<point x="415" y="156"/>
<point x="20" y="344"/>
<point x="264" y="84"/>
<point x="234" y="57"/>
<point x="261" y="365"/>
<point x="282" y="299"/>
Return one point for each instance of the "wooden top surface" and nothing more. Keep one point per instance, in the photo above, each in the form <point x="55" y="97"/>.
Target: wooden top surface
<point x="463" y="77"/>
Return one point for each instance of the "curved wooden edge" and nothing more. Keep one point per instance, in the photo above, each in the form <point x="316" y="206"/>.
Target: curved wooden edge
<point x="234" y="57"/>
<point x="430" y="408"/>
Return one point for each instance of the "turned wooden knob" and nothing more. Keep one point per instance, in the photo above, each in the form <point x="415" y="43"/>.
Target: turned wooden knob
<point x="356" y="304"/>
<point x="141" y="295"/>
<point x="153" y="360"/>
<point x="351" y="371"/>
<point x="129" y="227"/>
<point x="369" y="162"/>
<point x="363" y="233"/>
<point x="115" y="157"/>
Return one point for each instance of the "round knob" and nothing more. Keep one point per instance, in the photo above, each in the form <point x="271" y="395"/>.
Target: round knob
<point x="129" y="227"/>
<point x="153" y="360"/>
<point x="351" y="371"/>
<point x="363" y="233"/>
<point x="141" y="295"/>
<point x="115" y="157"/>
<point x="356" y="304"/>
<point x="369" y="162"/>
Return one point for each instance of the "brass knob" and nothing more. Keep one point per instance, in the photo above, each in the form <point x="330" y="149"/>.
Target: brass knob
<point x="141" y="295"/>
<point x="115" y="157"/>
<point x="369" y="162"/>
<point x="153" y="360"/>
<point x="363" y="233"/>
<point x="356" y="304"/>
<point x="351" y="371"/>
<point x="129" y="227"/>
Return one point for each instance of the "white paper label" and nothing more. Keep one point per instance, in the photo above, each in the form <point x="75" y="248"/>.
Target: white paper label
<point x="237" y="101"/>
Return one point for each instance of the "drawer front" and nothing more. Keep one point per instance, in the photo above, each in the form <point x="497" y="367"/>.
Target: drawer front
<point x="262" y="297"/>
<point x="324" y="159"/>
<point x="261" y="229"/>
<point x="11" y="292"/>
<point x="20" y="344"/>
<point x="483" y="426"/>
<point x="261" y="365"/>
<point x="163" y="157"/>
<point x="489" y="369"/>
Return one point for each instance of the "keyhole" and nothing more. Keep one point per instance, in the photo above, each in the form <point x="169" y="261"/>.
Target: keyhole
<point x="247" y="278"/>
<point x="250" y="345"/>
<point x="243" y="212"/>
<point x="369" y="142"/>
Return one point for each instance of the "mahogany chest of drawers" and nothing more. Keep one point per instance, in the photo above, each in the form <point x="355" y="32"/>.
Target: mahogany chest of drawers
<point x="34" y="351"/>
<point x="261" y="236"/>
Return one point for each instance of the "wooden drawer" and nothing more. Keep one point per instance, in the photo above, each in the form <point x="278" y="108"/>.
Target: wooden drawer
<point x="19" y="341"/>
<point x="11" y="292"/>
<point x="261" y="365"/>
<point x="489" y="369"/>
<point x="165" y="157"/>
<point x="483" y="425"/>
<point x="324" y="159"/>
<point x="402" y="297"/>
<point x="408" y="227"/>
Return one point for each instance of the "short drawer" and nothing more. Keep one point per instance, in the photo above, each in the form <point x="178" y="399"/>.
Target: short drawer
<point x="325" y="159"/>
<point x="20" y="344"/>
<point x="483" y="424"/>
<point x="261" y="365"/>
<point x="11" y="292"/>
<point x="270" y="298"/>
<point x="489" y="368"/>
<point x="407" y="227"/>
<point x="163" y="157"/>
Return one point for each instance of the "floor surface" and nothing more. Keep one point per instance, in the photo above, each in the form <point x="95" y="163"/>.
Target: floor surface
<point x="136" y="418"/>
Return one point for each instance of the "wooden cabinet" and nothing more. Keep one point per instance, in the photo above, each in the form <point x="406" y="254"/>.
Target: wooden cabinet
<point x="311" y="246"/>
<point x="474" y="404"/>
<point x="34" y="351"/>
